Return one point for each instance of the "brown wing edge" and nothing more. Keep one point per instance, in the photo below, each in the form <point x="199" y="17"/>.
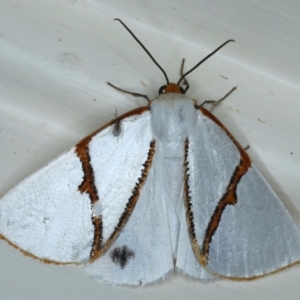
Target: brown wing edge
<point x="44" y="260"/>
<point x="257" y="276"/>
<point x="228" y="198"/>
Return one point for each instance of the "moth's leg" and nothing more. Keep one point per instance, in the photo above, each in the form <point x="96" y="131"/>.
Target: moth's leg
<point x="215" y="103"/>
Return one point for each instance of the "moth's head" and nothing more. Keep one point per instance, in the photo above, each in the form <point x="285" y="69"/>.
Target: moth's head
<point x="171" y="88"/>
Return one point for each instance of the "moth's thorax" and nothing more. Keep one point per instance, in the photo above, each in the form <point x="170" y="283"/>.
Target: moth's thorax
<point x="173" y="118"/>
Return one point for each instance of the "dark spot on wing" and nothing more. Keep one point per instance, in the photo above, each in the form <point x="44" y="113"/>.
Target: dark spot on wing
<point x="121" y="256"/>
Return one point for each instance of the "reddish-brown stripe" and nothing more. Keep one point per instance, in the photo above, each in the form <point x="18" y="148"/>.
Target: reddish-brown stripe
<point x="97" y="243"/>
<point x="229" y="197"/>
<point x="188" y="202"/>
<point x="187" y="198"/>
<point x="130" y="204"/>
<point x="88" y="183"/>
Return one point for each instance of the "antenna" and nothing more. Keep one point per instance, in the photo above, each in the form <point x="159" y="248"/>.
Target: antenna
<point x="203" y="60"/>
<point x="133" y="35"/>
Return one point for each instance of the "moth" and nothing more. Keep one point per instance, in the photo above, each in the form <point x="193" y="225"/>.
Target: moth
<point x="163" y="187"/>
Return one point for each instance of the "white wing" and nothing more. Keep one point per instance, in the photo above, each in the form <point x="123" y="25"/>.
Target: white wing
<point x="120" y="204"/>
<point x="69" y="211"/>
<point x="238" y="226"/>
<point x="46" y="216"/>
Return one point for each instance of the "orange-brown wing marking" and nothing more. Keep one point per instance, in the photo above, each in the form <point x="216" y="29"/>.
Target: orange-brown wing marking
<point x="187" y="198"/>
<point x="228" y="198"/>
<point x="88" y="183"/>
<point x="97" y="243"/>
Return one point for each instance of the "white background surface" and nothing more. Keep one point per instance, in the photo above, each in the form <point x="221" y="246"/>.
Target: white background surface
<point x="55" y="57"/>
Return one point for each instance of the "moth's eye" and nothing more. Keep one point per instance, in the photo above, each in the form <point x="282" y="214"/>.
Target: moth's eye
<point x="162" y="89"/>
<point x="182" y="90"/>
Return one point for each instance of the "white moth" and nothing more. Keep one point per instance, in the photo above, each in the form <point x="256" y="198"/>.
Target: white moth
<point x="175" y="192"/>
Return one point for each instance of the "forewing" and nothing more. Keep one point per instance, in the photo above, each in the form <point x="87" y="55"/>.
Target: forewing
<point x="70" y="209"/>
<point x="115" y="168"/>
<point x="237" y="225"/>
